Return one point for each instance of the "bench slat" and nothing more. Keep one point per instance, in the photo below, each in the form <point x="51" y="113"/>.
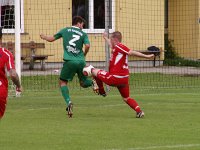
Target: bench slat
<point x="33" y="57"/>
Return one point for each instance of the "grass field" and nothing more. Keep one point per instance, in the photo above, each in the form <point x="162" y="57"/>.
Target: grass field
<point x="38" y="121"/>
<point x="137" y="80"/>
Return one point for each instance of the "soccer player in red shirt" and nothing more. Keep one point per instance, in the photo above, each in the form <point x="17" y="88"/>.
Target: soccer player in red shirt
<point x="6" y="62"/>
<point x="118" y="74"/>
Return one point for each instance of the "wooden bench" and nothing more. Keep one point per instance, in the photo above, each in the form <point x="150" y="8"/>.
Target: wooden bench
<point x="33" y="57"/>
<point x="156" y="53"/>
<point x="11" y="47"/>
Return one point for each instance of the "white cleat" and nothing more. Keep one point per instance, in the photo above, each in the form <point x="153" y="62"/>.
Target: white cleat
<point x="95" y="87"/>
<point x="140" y="114"/>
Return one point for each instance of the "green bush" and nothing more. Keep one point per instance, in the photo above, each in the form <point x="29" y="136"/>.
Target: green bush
<point x="170" y="49"/>
<point x="178" y="61"/>
<point x="172" y="58"/>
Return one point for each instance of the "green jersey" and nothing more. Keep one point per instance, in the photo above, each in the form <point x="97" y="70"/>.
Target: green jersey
<point x="73" y="40"/>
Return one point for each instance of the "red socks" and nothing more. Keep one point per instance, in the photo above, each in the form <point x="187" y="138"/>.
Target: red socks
<point x="133" y="104"/>
<point x="100" y="85"/>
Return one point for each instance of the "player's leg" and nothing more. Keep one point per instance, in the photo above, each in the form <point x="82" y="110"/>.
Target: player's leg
<point x="85" y="82"/>
<point x="100" y="78"/>
<point x="2" y="106"/>
<point x="100" y="88"/>
<point x="67" y="73"/>
<point x="124" y="91"/>
<point x="97" y="83"/>
<point x="65" y="93"/>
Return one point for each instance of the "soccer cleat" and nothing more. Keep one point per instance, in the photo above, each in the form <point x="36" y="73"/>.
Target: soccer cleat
<point x="95" y="87"/>
<point x="102" y="92"/>
<point x="97" y="90"/>
<point x="69" y="110"/>
<point x="140" y="114"/>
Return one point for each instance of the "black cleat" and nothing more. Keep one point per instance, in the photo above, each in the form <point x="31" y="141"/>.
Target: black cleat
<point x="97" y="90"/>
<point x="69" y="110"/>
<point x="140" y="114"/>
<point x="102" y="92"/>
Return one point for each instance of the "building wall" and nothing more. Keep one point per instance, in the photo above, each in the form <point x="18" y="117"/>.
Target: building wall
<point x="47" y="17"/>
<point x="141" y="23"/>
<point x="198" y="52"/>
<point x="183" y="27"/>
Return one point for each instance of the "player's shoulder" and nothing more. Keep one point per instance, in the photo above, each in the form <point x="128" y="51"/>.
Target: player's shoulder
<point x="122" y="47"/>
<point x="5" y="52"/>
<point x="77" y="30"/>
<point x="64" y="29"/>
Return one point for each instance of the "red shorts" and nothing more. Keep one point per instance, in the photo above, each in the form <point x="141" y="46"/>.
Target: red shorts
<point x="121" y="82"/>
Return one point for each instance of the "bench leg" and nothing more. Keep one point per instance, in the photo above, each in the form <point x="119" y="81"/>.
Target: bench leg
<point x="159" y="60"/>
<point x="154" y="61"/>
<point x="31" y="65"/>
<point x="22" y="65"/>
<point x="42" y="65"/>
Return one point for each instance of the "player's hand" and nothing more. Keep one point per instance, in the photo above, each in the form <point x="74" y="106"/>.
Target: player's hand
<point x="42" y="36"/>
<point x="150" y="56"/>
<point x="105" y="35"/>
<point x="18" y="91"/>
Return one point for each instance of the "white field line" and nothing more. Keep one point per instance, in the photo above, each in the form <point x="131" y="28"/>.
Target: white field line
<point x="161" y="147"/>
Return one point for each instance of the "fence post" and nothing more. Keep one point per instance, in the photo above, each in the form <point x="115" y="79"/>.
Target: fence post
<point x="17" y="38"/>
<point x="107" y="26"/>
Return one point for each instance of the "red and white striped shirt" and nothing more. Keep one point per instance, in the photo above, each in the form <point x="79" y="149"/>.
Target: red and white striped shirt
<point x="119" y="61"/>
<point x="6" y="62"/>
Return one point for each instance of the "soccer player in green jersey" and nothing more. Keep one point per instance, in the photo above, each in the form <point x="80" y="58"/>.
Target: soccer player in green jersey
<point x="74" y="57"/>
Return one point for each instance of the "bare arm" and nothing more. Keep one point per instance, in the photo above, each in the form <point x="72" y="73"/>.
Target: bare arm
<point x="138" y="54"/>
<point x="47" y="38"/>
<point x="105" y="36"/>
<point x="87" y="47"/>
<point x="15" y="78"/>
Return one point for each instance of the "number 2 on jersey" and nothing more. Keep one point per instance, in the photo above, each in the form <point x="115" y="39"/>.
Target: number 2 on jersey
<point x="74" y="39"/>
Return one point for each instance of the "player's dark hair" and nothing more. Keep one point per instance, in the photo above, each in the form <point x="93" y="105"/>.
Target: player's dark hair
<point x="78" y="19"/>
<point x="117" y="35"/>
<point x="1" y="32"/>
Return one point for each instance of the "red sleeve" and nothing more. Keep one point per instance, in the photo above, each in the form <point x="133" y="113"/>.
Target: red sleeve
<point x="9" y="59"/>
<point x="122" y="48"/>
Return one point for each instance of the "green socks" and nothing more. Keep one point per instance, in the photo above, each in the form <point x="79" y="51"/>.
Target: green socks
<point x="65" y="94"/>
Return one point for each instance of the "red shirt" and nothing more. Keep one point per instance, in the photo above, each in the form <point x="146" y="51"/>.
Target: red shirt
<point x="6" y="61"/>
<point x="119" y="61"/>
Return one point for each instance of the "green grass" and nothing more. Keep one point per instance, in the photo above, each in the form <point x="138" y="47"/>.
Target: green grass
<point x="180" y="61"/>
<point x="137" y="80"/>
<point x="38" y="121"/>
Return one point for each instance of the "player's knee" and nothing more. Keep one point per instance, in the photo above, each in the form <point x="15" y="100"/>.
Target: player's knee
<point x="1" y="115"/>
<point x="86" y="83"/>
<point x="63" y="83"/>
<point x="82" y="84"/>
<point x="125" y="99"/>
